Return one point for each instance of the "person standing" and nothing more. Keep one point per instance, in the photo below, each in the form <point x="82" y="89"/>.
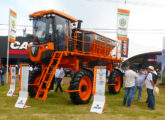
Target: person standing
<point x="130" y="77"/>
<point x="150" y="86"/>
<point x="59" y="75"/>
<point x="2" y="75"/>
<point x="139" y="84"/>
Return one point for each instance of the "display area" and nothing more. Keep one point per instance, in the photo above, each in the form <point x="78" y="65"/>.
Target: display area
<point x="82" y="60"/>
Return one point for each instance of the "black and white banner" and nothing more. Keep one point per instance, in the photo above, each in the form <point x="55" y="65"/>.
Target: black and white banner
<point x="124" y="48"/>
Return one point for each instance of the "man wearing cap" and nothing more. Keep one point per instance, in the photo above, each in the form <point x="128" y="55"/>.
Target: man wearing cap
<point x="150" y="86"/>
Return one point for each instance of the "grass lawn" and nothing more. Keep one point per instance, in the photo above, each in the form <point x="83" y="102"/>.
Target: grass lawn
<point x="59" y="107"/>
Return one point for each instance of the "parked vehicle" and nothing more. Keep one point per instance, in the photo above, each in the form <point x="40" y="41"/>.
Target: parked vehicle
<point x="58" y="42"/>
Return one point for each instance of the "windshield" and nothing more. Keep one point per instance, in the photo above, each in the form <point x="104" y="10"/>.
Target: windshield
<point x="42" y="30"/>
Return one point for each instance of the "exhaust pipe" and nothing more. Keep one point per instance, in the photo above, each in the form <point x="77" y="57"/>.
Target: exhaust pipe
<point x="79" y="24"/>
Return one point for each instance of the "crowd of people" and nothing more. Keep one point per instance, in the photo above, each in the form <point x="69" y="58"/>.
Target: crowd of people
<point x="134" y="82"/>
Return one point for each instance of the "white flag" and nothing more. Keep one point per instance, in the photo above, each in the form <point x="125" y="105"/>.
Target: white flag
<point x="122" y="24"/>
<point x="12" y="25"/>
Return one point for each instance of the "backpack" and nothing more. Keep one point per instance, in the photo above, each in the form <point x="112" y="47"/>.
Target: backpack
<point x="154" y="77"/>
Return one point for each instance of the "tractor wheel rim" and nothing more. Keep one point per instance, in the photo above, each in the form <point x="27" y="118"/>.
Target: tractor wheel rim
<point x="85" y="88"/>
<point x="117" y="87"/>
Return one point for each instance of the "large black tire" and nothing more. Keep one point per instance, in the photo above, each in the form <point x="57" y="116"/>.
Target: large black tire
<point x="72" y="73"/>
<point x="115" y="77"/>
<point x="75" y="84"/>
<point x="32" y="76"/>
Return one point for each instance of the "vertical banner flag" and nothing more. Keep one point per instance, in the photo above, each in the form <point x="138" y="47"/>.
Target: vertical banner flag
<point x="23" y="87"/>
<point x="12" y="26"/>
<point x="11" y="35"/>
<point x="12" y="80"/>
<point x="122" y="24"/>
<point x="99" y="89"/>
<point x="124" y="48"/>
<point x="163" y="62"/>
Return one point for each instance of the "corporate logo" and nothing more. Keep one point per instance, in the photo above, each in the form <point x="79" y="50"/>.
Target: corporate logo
<point x="122" y="22"/>
<point x="19" y="48"/>
<point x="19" y="45"/>
<point x="10" y="92"/>
<point x="13" y="23"/>
<point x="97" y="107"/>
<point x="20" y="102"/>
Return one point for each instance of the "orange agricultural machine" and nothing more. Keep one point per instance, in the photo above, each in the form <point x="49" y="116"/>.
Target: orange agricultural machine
<point x="57" y="41"/>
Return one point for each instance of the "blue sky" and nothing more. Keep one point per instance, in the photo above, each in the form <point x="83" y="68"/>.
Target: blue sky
<point x="144" y="14"/>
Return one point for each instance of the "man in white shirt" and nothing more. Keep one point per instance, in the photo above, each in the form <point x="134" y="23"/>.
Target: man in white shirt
<point x="130" y="77"/>
<point x="150" y="86"/>
<point x="59" y="75"/>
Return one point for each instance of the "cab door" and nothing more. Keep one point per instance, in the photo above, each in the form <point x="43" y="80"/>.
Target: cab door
<point x="61" y="25"/>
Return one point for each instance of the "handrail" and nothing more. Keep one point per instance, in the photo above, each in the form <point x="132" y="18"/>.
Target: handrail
<point x="91" y="43"/>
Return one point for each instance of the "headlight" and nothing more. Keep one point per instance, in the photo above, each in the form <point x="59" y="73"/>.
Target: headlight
<point x="46" y="47"/>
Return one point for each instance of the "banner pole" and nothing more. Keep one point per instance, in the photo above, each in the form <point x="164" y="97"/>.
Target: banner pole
<point x="7" y="66"/>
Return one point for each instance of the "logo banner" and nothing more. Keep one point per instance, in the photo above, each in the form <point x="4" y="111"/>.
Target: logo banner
<point x="124" y="48"/>
<point x="12" y="26"/>
<point x="122" y="23"/>
<point x="23" y="93"/>
<point x="99" y="89"/>
<point x="12" y="80"/>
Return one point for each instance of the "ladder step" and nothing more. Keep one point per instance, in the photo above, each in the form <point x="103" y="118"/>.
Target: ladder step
<point x="45" y="81"/>
<point x="55" y="58"/>
<point x="44" y="99"/>
<point x="40" y="98"/>
<point x="43" y="90"/>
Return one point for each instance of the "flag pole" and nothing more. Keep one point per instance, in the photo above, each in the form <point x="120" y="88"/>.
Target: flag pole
<point x="7" y="62"/>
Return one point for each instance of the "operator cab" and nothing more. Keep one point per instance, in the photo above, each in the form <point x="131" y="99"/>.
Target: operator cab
<point x="49" y="30"/>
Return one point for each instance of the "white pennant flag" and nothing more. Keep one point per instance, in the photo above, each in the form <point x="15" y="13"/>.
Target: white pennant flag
<point x="122" y="24"/>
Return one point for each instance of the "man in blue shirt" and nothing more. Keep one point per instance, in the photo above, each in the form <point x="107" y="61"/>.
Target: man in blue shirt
<point x="2" y="75"/>
<point x="139" y="84"/>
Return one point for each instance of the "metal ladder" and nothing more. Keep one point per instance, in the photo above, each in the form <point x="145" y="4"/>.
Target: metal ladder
<point x="47" y="76"/>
